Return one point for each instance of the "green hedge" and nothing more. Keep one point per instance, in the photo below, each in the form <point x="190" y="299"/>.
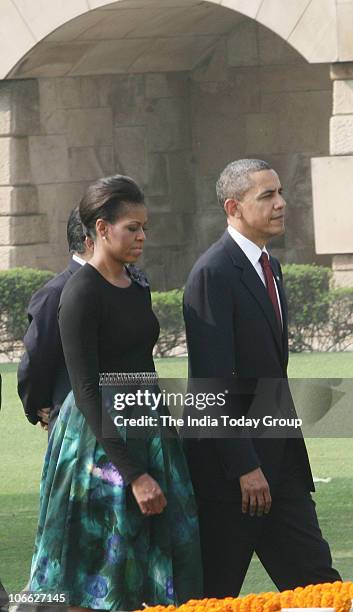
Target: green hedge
<point x="338" y="334"/>
<point x="16" y="288"/>
<point x="307" y="289"/>
<point x="167" y="307"/>
<point x="320" y="318"/>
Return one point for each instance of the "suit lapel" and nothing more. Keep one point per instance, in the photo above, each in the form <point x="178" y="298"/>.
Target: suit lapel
<point x="284" y="306"/>
<point x="253" y="283"/>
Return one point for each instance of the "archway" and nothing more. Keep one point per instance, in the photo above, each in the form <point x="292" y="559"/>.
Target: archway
<point x="168" y="91"/>
<point x="308" y="25"/>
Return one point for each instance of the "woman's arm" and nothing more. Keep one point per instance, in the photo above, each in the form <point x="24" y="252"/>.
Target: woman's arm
<point x="79" y="320"/>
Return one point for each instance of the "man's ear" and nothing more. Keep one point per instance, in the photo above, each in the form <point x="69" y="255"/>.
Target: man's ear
<point x="232" y="208"/>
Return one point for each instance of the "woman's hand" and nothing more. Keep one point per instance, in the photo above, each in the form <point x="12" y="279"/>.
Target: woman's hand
<point x="148" y="495"/>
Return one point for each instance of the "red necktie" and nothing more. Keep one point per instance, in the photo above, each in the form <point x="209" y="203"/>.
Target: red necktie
<point x="270" y="284"/>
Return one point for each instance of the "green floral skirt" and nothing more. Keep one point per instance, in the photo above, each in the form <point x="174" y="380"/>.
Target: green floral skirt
<point x="93" y="543"/>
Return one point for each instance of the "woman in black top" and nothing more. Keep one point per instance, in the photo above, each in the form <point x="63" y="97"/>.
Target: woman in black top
<point x="118" y="525"/>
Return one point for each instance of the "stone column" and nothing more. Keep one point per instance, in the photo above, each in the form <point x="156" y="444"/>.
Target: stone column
<point x="333" y="181"/>
<point x="22" y="229"/>
<point x="341" y="143"/>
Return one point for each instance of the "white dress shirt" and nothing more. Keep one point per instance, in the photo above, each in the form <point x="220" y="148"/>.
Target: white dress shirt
<point x="253" y="253"/>
<point x="78" y="259"/>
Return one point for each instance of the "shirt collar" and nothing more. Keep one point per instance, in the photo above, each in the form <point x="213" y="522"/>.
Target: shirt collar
<point x="78" y="259"/>
<point x="251" y="250"/>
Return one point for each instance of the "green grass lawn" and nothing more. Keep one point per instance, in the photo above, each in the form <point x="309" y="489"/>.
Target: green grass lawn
<point x="22" y="447"/>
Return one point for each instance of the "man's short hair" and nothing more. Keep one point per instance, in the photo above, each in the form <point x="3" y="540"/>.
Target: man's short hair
<point x="76" y="234"/>
<point x="235" y="180"/>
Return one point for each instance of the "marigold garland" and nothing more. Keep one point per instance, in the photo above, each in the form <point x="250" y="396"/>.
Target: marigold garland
<point x="336" y="595"/>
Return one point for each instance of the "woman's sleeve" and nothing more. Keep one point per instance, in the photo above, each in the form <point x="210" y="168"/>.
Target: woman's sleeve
<point x="79" y="322"/>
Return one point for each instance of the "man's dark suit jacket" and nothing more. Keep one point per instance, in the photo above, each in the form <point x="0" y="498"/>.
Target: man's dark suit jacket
<point x="43" y="380"/>
<point x="232" y="334"/>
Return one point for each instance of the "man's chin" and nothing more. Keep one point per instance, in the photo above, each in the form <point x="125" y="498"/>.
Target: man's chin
<point x="279" y="231"/>
<point x="276" y="233"/>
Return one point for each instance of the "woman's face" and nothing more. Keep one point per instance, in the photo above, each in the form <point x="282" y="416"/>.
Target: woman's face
<point x="124" y="239"/>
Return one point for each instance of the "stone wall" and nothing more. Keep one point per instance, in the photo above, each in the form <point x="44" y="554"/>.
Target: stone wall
<point x="129" y="124"/>
<point x="84" y="128"/>
<point x="257" y="97"/>
<point x="251" y="96"/>
<point x="332" y="181"/>
<point x="98" y="126"/>
<point x="22" y="225"/>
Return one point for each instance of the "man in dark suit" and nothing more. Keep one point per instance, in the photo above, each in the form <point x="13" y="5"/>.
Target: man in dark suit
<point x="253" y="493"/>
<point x="43" y="380"/>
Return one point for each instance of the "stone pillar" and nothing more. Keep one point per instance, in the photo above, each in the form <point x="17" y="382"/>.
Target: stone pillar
<point x="22" y="228"/>
<point x="333" y="181"/>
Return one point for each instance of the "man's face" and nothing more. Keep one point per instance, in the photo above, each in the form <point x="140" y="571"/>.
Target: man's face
<point x="260" y="213"/>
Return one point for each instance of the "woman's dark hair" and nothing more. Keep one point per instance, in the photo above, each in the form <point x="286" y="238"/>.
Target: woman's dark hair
<point x="107" y="199"/>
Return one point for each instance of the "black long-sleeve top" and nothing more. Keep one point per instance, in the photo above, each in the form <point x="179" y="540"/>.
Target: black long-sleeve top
<point x="105" y="328"/>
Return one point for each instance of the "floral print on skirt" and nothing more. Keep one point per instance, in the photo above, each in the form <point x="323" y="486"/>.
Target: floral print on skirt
<point x="93" y="543"/>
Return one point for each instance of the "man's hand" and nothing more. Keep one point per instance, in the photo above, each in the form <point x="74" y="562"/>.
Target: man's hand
<point x="148" y="495"/>
<point x="43" y="415"/>
<point x="256" y="497"/>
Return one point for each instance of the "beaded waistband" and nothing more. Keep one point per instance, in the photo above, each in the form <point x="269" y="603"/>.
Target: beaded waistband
<point x="127" y="378"/>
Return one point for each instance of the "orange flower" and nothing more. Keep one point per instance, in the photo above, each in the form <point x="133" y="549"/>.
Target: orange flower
<point x="287" y="599"/>
<point x="342" y="603"/>
<point x="273" y="604"/>
<point x="327" y="599"/>
<point x="316" y="602"/>
<point x="336" y="595"/>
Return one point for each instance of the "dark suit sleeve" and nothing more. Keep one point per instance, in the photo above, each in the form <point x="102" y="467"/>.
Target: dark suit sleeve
<point x="42" y="351"/>
<point x="209" y="315"/>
